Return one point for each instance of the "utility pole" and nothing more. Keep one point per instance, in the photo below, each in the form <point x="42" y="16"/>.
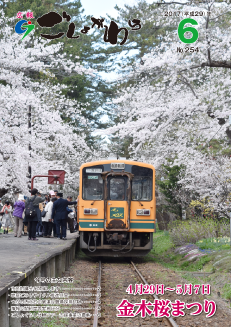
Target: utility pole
<point x="29" y="146"/>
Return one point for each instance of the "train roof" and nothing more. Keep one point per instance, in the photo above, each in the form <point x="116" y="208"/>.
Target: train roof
<point x="128" y="162"/>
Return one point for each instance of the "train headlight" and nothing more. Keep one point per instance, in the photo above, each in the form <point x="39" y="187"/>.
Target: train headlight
<point x="139" y="212"/>
<point x="143" y="212"/>
<point x="147" y="212"/>
<point x="91" y="211"/>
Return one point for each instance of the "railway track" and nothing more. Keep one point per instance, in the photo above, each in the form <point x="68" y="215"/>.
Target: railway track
<point x="112" y="278"/>
<point x="98" y="295"/>
<point x="168" y="321"/>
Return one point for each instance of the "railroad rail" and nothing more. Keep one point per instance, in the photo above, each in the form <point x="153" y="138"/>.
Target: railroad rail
<point x="169" y="321"/>
<point x="95" y="321"/>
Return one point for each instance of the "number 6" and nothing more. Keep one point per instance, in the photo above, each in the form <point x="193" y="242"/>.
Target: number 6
<point x="182" y="30"/>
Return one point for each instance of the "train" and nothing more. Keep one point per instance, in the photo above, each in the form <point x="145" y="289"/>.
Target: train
<point x="116" y="208"/>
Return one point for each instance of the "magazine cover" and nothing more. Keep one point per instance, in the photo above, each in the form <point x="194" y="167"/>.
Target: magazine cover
<point x="115" y="163"/>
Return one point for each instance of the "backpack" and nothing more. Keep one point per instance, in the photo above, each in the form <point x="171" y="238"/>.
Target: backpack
<point x="30" y="211"/>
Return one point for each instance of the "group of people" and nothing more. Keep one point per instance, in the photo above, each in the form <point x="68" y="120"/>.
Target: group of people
<point x="40" y="215"/>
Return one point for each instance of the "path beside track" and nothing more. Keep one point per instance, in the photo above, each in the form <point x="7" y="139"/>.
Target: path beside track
<point x="18" y="255"/>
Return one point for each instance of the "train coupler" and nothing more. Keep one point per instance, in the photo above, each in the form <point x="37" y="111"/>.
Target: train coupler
<point x="116" y="237"/>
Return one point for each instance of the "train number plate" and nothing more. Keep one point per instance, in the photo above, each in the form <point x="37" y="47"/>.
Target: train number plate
<point x="116" y="213"/>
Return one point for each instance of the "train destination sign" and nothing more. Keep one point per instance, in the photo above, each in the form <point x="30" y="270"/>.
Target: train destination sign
<point x="115" y="165"/>
<point x="94" y="170"/>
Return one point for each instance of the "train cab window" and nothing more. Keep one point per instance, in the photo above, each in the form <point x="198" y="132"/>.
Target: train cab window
<point x="92" y="183"/>
<point x="117" y="188"/>
<point x="142" y="184"/>
<point x="93" y="188"/>
<point x="141" y="188"/>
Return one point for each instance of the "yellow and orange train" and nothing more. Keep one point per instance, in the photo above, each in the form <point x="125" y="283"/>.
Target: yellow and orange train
<point x="116" y="208"/>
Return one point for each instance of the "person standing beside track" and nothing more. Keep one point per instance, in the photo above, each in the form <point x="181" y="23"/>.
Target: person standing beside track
<point x="19" y="207"/>
<point x="59" y="214"/>
<point x="51" y="196"/>
<point x="6" y="220"/>
<point x="70" y="215"/>
<point x="47" y="220"/>
<point x="33" y="221"/>
<point x="39" y="227"/>
<point x="1" y="205"/>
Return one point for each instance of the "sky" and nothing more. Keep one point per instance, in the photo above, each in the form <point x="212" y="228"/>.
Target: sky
<point x="103" y="7"/>
<point x="99" y="8"/>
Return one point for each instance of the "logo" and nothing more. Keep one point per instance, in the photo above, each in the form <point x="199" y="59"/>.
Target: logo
<point x="19" y="25"/>
<point x="116" y="213"/>
<point x="52" y="18"/>
<point x="20" y="28"/>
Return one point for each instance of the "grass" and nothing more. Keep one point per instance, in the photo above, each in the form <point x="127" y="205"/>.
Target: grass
<point x="163" y="253"/>
<point x="80" y="254"/>
<point x="53" y="322"/>
<point x="162" y="242"/>
<point x="190" y="278"/>
<point x="9" y="230"/>
<point x="196" y="265"/>
<point x="226" y="291"/>
<point x="219" y="243"/>
<point x="217" y="262"/>
<point x="191" y="231"/>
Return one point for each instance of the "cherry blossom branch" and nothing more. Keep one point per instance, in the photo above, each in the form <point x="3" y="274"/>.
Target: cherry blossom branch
<point x="185" y="81"/>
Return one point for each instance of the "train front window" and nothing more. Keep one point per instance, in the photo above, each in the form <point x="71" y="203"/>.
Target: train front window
<point x="92" y="187"/>
<point x="142" y="183"/>
<point x="141" y="188"/>
<point x="92" y="183"/>
<point x="117" y="189"/>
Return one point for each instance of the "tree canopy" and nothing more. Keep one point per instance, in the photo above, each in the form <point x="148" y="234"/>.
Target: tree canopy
<point x="173" y="103"/>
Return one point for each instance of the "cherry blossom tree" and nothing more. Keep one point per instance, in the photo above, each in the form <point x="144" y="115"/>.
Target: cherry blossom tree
<point x="27" y="79"/>
<point x="177" y="100"/>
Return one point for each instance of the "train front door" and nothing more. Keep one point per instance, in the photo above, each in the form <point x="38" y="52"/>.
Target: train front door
<point x="117" y="203"/>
